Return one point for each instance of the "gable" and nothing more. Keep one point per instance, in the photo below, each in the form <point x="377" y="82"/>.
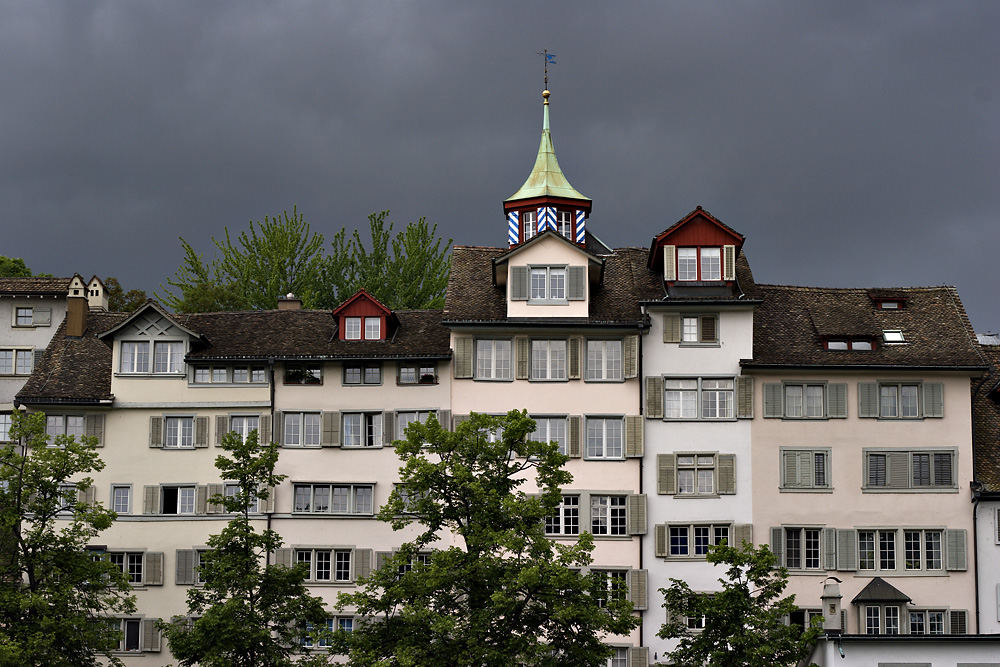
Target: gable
<point x="697" y="228"/>
<point x="151" y="324"/>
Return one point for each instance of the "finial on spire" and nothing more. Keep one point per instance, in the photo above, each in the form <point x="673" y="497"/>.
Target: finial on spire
<point x="548" y="58"/>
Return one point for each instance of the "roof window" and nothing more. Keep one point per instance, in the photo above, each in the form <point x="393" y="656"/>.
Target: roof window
<point x="893" y="336"/>
<point x="856" y="344"/>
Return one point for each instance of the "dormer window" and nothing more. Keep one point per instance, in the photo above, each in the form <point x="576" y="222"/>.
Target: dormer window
<point x="548" y="283"/>
<point x="168" y="357"/>
<point x="854" y="344"/>
<point x="373" y="328"/>
<point x="528" y="217"/>
<point x="565" y="223"/>
<point x="352" y="328"/>
<point x="888" y="305"/>
<point x="699" y="264"/>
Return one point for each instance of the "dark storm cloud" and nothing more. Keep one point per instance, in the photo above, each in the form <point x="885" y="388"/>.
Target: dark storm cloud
<point x="852" y="143"/>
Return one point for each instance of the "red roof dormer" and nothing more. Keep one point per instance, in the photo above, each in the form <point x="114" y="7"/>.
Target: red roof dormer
<point x="696" y="252"/>
<point x="363" y="317"/>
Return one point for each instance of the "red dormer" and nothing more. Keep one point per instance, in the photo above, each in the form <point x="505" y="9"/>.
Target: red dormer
<point x="362" y="318"/>
<point x="697" y="251"/>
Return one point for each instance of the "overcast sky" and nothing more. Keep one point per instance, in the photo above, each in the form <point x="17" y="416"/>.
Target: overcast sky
<point x="852" y="143"/>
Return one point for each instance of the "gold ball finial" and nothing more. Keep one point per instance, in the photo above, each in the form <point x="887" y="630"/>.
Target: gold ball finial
<point x="545" y="94"/>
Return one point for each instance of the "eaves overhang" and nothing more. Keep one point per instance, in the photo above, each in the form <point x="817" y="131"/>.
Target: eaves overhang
<point x="550" y="323"/>
<point x="752" y="365"/>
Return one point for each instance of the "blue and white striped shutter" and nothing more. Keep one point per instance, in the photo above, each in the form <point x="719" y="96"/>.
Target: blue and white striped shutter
<point x="581" y="229"/>
<point x="546" y="219"/>
<point x="513" y="228"/>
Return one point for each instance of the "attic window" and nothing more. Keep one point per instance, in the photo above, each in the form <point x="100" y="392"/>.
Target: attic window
<point x="852" y="344"/>
<point x="893" y="336"/>
<point x="888" y="305"/>
<point x="352" y="328"/>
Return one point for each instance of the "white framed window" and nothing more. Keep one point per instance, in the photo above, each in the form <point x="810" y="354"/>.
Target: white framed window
<point x="711" y="263"/>
<point x="893" y="336"/>
<point x="805" y="401"/>
<point x="922" y="550"/>
<point x="899" y="401"/>
<point x="877" y="549"/>
<point x="178" y="433"/>
<point x="5" y="424"/>
<point x="882" y="620"/>
<point x="23" y="317"/>
<point x="302" y="429"/>
<point x="548" y="359"/>
<point x="303" y="373"/>
<point x="131" y="631"/>
<point x="698" y="398"/>
<point x="604" y="360"/>
<point x="418" y="559"/>
<point x="528" y="219"/>
<point x="604" y="438"/>
<point x="550" y="429"/>
<point x="334" y="498"/>
<point x="56" y="425"/>
<point x="130" y="563"/>
<point x="493" y="359"/>
<point x="16" y="362"/>
<point x="926" y="622"/>
<point x="805" y="468"/>
<point x="909" y="469"/>
<point x="121" y="498"/>
<point x="693" y="540"/>
<point x="326" y="565"/>
<point x="243" y="424"/>
<point x="703" y="263"/>
<point x="716" y="398"/>
<point x="373" y="328"/>
<point x="177" y="499"/>
<point x="168" y="357"/>
<point x="687" y="264"/>
<point x="696" y="474"/>
<point x="547" y="283"/>
<point x="619" y="657"/>
<point x="369" y="373"/>
<point x="607" y="515"/>
<point x="417" y="373"/>
<point x="802" y="548"/>
<point x="566" y="520"/>
<point x="609" y="585"/>
<point x="134" y="357"/>
<point x="362" y="429"/>
<point x="699" y="329"/>
<point x="352" y="328"/>
<point x="564" y="222"/>
<point x="407" y="417"/>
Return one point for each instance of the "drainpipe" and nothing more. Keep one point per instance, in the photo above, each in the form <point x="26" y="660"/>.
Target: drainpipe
<point x="270" y="368"/>
<point x="642" y="460"/>
<point x="977" y="488"/>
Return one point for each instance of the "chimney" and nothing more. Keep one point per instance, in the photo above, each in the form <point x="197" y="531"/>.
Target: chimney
<point x="832" y="621"/>
<point x="76" y="315"/>
<point x="289" y="302"/>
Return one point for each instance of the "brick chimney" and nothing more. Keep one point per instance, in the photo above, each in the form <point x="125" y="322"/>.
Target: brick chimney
<point x="77" y="307"/>
<point x="289" y="302"/>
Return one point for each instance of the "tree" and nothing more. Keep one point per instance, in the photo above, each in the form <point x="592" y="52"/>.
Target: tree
<point x="744" y="622"/>
<point x="248" y="613"/>
<point x="120" y="301"/>
<point x="13" y="267"/>
<point x="506" y="593"/>
<point x="52" y="588"/>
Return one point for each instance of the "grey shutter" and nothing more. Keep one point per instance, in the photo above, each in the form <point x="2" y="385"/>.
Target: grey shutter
<point x="631" y="366"/>
<point x="283" y="557"/>
<point x="201" y="499"/>
<point x="708" y="332"/>
<point x="264" y="432"/>
<point x="523" y="357"/>
<point x="156" y="432"/>
<point x="773" y="394"/>
<point x="654" y="397"/>
<point x="585" y="523"/>
<point x="88" y="496"/>
<point x="666" y="475"/>
<point x="847" y="550"/>
<point x="279" y="428"/>
<point x="807" y="469"/>
<point x="933" y="399"/>
<point x="744" y="397"/>
<point x="184" y="567"/>
<point x="636" y="514"/>
<point x="41" y="317"/>
<point x="215" y="490"/>
<point x="444" y="418"/>
<point x="790" y="470"/>
<point x="671" y="327"/>
<point x="727" y="474"/>
<point x="464" y="353"/>
<point x="381" y="557"/>
<point x="729" y="262"/>
<point x="460" y="419"/>
<point x="221" y="428"/>
<point x="638" y="656"/>
<point x="742" y="532"/>
<point x="151" y="500"/>
<point x="388" y="427"/>
<point x="153" y="570"/>
<point x="958" y="621"/>
<point x="637" y="589"/>
<point x="271" y="494"/>
<point x="660" y="540"/>
<point x="518" y="283"/>
<point x="867" y="399"/>
<point x="778" y="544"/>
<point x="331" y="429"/>
<point x="633" y="437"/>
<point x="573" y="356"/>
<point x="363" y="563"/>
<point x="37" y="357"/>
<point x="577" y="283"/>
<point x="836" y="400"/>
<point x="150" y="635"/>
<point x="955" y="555"/>
<point x="898" y="474"/>
<point x="573" y="437"/>
<point x="95" y="428"/>
<point x="201" y="431"/>
<point x="829" y="548"/>
<point x="669" y="262"/>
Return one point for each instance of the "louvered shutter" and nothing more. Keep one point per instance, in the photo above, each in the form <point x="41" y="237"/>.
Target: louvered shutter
<point x="729" y="262"/>
<point x="709" y="330"/>
<point x="283" y="557"/>
<point x="773" y="394"/>
<point x="637" y="589"/>
<point x="331" y="429"/>
<point x="829" y="548"/>
<point x="898" y="474"/>
<point x="444" y="418"/>
<point x="215" y="507"/>
<point x="955" y="554"/>
<point x="41" y="317"/>
<point x="156" y="432"/>
<point x="727" y="474"/>
<point x="660" y="539"/>
<point x="95" y="428"/>
<point x="868" y="399"/>
<point x="576" y="283"/>
<point x="669" y="262"/>
<point x="573" y="355"/>
<point x="933" y="399"/>
<point x="959" y="621"/>
<point x="778" y="544"/>
<point x="636" y="514"/>
<point x="573" y="437"/>
<point x="807" y="468"/>
<point x="279" y="428"/>
<point x="742" y="532"/>
<point x="744" y="397"/>
<point x="836" y="400"/>
<point x="88" y="496"/>
<point x="184" y="561"/>
<point x="654" y="397"/>
<point x="264" y="432"/>
<point x="153" y="572"/>
<point x="201" y="431"/>
<point x="790" y="469"/>
<point x="151" y="500"/>
<point x="585" y="523"/>
<point x="201" y="499"/>
<point x="847" y="550"/>
<point x="633" y="437"/>
<point x="631" y="357"/>
<point x="523" y="357"/>
<point x="464" y="354"/>
<point x="221" y="428"/>
<point x="389" y="427"/>
<point x="272" y="493"/>
<point x="381" y="557"/>
<point x="363" y="563"/>
<point x="671" y="327"/>
<point x="150" y="635"/>
<point x="518" y="283"/>
<point x="460" y="419"/>
<point x="666" y="475"/>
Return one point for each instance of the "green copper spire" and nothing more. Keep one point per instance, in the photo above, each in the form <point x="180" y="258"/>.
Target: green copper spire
<point x="546" y="178"/>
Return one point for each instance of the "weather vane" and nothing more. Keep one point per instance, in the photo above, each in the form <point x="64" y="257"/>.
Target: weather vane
<point x="550" y="59"/>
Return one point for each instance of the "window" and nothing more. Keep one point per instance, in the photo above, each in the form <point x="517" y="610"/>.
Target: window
<point x="16" y="362"/>
<point x="927" y="622"/>
<point x="373" y="328"/>
<point x="893" y="336"/>
<point x="325" y="564"/>
<point x="683" y="396"/>
<point x="168" y="357"/>
<point x="566" y="520"/>
<point x="134" y="357"/>
<point x="564" y="221"/>
<point x="607" y="515"/>
<point x="493" y="360"/>
<point x="619" y="657"/>
<point x="696" y="474"/>
<point x="225" y="374"/>
<point x="179" y="433"/>
<point x="130" y="633"/>
<point x="882" y="620"/>
<point x="547" y="283"/>
<point x="425" y="373"/>
<point x="687" y="264"/>
<point x="333" y="498"/>
<point x="864" y="345"/>
<point x="23" y="317"/>
<point x="352" y="328"/>
<point x="362" y="429"/>
<point x="303" y="373"/>
<point x="417" y="559"/>
<point x="69" y="425"/>
<point x="877" y="549"/>
<point x="802" y="548"/>
<point x="528" y="218"/>
<point x="604" y="438"/>
<point x="687" y="541"/>
<point x="244" y="424"/>
<point x="178" y="499"/>
<point x="699" y="329"/>
<point x="805" y="401"/>
<point x="609" y="585"/>
<point x="548" y="360"/>
<point x="604" y="360"/>
<point x="898" y="401"/>
<point x="363" y="373"/>
<point x="5" y="424"/>
<point x="919" y="469"/>
<point x="121" y="498"/>
<point x="805" y="469"/>
<point x="708" y="268"/>
<point x="302" y="429"/>
<point x="231" y="489"/>
<point x="404" y="419"/>
<point x="550" y="429"/>
<point x="130" y="563"/>
<point x="922" y="549"/>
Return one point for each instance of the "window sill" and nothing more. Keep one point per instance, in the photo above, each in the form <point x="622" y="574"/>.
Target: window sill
<point x="170" y="376"/>
<point x="604" y="380"/>
<point x="604" y="458"/>
<point x="416" y="384"/>
<point x="683" y="559"/>
<point x="361" y="384"/>
<point x="475" y="379"/>
<point x="615" y="538"/>
<point x="693" y="344"/>
<point x="328" y="515"/>
<point x="811" y="572"/>
<point x="286" y="446"/>
<point x="329" y="584"/>
<point x="792" y="489"/>
<point x="697" y="496"/>
<point x="363" y="446"/>
<point x="702" y="419"/>
<point x="804" y="419"/>
<point x="548" y="302"/>
<point x="904" y="573"/>
<point x="548" y="379"/>
<point x="227" y="385"/>
<point x="930" y="489"/>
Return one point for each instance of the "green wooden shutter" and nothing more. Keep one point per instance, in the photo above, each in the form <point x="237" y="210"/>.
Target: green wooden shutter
<point x="201" y="499"/>
<point x="576" y="288"/>
<point x="727" y="474"/>
<point x="269" y="504"/>
<point x="955" y="553"/>
<point x="518" y="283"/>
<point x="633" y="437"/>
<point x="836" y="400"/>
<point x="790" y="470"/>
<point x="744" y="397"/>
<point x="444" y="418"/>
<point x="381" y="557"/>
<point x="150" y="635"/>
<point x="773" y="394"/>
<point x="264" y="432"/>
<point x="88" y="496"/>
<point x="151" y="499"/>
<point x="778" y="543"/>
<point x="868" y="400"/>
<point x="184" y="561"/>
<point x="201" y="431"/>
<point x="283" y="557"/>
<point x="331" y="429"/>
<point x="933" y="399"/>
<point x="460" y="419"/>
<point x="807" y="469"/>
<point x="153" y="570"/>
<point x="573" y="356"/>
<point x="636" y="514"/>
<point x="637" y="589"/>
<point x="523" y="346"/>
<point x="279" y="428"/>
<point x="631" y="366"/>
<point x="41" y="316"/>
<point x="729" y="262"/>
<point x="221" y="428"/>
<point x="464" y="354"/>
<point x="897" y="475"/>
<point x="847" y="550"/>
<point x="666" y="474"/>
<point x="654" y="397"/>
<point x="363" y="563"/>
<point x="573" y="449"/>
<point x="742" y="532"/>
<point x="660" y="540"/>
<point x="215" y="507"/>
<point x="671" y="327"/>
<point x="156" y="432"/>
<point x="389" y="427"/>
<point x="95" y="428"/>
<point x="669" y="262"/>
<point x="829" y="548"/>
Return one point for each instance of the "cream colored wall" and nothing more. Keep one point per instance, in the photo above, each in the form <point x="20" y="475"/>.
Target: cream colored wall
<point x="334" y="395"/>
<point x="33" y="337"/>
<point x="548" y="252"/>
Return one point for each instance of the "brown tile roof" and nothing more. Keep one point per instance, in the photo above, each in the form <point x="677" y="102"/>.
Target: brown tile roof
<point x="790" y="322"/>
<point x="986" y="423"/>
<point x="24" y="286"/>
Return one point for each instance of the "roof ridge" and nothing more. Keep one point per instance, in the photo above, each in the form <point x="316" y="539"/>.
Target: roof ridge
<point x="927" y="288"/>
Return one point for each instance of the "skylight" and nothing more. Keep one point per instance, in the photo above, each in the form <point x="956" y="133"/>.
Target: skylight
<point x="893" y="336"/>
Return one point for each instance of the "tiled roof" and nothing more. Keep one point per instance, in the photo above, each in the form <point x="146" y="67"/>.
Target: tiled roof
<point x="986" y="424"/>
<point x="790" y="322"/>
<point x="880" y="590"/>
<point x="23" y="286"/>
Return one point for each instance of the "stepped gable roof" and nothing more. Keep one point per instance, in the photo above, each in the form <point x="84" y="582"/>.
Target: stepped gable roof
<point x="791" y="323"/>
<point x="30" y="286"/>
<point x="986" y="424"/>
<point x="880" y="590"/>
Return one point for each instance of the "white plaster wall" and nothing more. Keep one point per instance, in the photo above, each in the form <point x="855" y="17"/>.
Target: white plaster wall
<point x="875" y="653"/>
<point x="989" y="566"/>
<point x="548" y="252"/>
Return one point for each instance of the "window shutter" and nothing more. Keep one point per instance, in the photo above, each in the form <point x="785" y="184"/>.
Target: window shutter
<point x="331" y="429"/>
<point x="381" y="557"/>
<point x="829" y="548"/>
<point x="636" y="514"/>
<point x="150" y="635"/>
<point x="660" y="538"/>
<point x="279" y="428"/>
<point x="460" y="419"/>
<point x="464" y="353"/>
<point x="669" y="262"/>
<point x="744" y="397"/>
<point x="201" y="499"/>
<point x="573" y="437"/>
<point x="573" y="354"/>
<point x="898" y="474"/>
<point x="742" y="532"/>
<point x="867" y="399"/>
<point x="221" y="428"/>
<point x="151" y="500"/>
<point x="264" y="432"/>
<point x="37" y="357"/>
<point x="87" y="496"/>
<point x="847" y="550"/>
<point x="836" y="400"/>
<point x="444" y="418"/>
<point x="156" y="432"/>
<point x="790" y="468"/>
<point x="585" y="523"/>
<point x="153" y="573"/>
<point x="709" y="330"/>
<point x="772" y="400"/>
<point x="959" y="621"/>
<point x="955" y="555"/>
<point x="933" y="399"/>
<point x="638" y="656"/>
<point x="518" y="283"/>
<point x="666" y="475"/>
<point x="215" y="507"/>
<point x="654" y="397"/>
<point x="41" y="317"/>
<point x="283" y="557"/>
<point x="577" y="287"/>
<point x="95" y="428"/>
<point x="727" y="474"/>
<point x="631" y="357"/>
<point x="363" y="563"/>
<point x="671" y="327"/>
<point x="729" y="262"/>
<point x="184" y="567"/>
<point x="201" y="431"/>
<point x="778" y="543"/>
<point x="806" y="463"/>
<point x="637" y="586"/>
<point x="389" y="427"/>
<point x="633" y="437"/>
<point x="523" y="357"/>
<point x="269" y="505"/>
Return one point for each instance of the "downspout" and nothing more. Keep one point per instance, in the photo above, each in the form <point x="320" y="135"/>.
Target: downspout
<point x="642" y="461"/>
<point x="977" y="488"/>
<point x="270" y="368"/>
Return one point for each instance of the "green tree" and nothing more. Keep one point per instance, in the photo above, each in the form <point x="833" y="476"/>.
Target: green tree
<point x="744" y="622"/>
<point x="120" y="301"/>
<point x="248" y="613"/>
<point x="52" y="589"/>
<point x="506" y="593"/>
<point x="13" y="267"/>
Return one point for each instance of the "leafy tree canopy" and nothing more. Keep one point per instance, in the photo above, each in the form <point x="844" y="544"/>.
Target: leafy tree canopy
<point x="120" y="301"/>
<point x="505" y="593"/>
<point x="13" y="267"/>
